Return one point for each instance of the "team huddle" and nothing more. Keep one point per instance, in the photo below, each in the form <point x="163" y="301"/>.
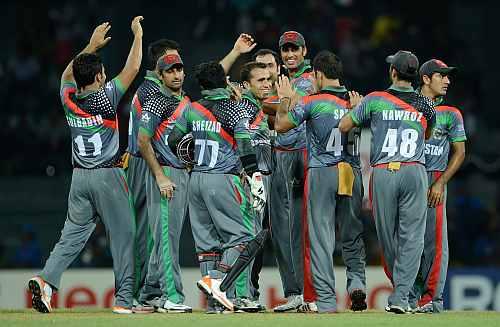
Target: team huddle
<point x="275" y="154"/>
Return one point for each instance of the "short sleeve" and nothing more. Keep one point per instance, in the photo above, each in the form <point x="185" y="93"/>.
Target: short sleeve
<point x="361" y="113"/>
<point x="66" y="88"/>
<point x="150" y="118"/>
<point x="114" y="91"/>
<point x="457" y="129"/>
<point x="304" y="86"/>
<point x="300" y="112"/>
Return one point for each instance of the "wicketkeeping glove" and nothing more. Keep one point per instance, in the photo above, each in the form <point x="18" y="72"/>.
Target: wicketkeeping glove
<point x="257" y="190"/>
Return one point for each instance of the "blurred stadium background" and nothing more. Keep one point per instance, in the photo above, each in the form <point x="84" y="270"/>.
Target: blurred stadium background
<point x="35" y="168"/>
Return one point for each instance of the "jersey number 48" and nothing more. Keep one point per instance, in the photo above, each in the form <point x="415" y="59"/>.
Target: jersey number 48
<point x="407" y="142"/>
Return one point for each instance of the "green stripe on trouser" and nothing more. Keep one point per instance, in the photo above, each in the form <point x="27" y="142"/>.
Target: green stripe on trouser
<point x="137" y="265"/>
<point x="165" y="244"/>
<point x="243" y="281"/>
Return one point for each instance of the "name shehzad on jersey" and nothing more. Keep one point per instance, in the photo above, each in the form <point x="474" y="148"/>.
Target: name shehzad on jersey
<point x="206" y="126"/>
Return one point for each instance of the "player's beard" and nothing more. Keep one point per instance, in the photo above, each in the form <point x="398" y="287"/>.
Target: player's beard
<point x="175" y="87"/>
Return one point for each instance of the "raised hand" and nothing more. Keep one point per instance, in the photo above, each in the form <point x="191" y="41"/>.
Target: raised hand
<point x="244" y="44"/>
<point x="136" y="26"/>
<point x="98" y="38"/>
<point x="284" y="88"/>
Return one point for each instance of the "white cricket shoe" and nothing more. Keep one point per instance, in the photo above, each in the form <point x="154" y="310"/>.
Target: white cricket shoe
<point x="41" y="294"/>
<point x="121" y="310"/>
<point x="211" y="287"/>
<point x="397" y="309"/>
<point x="171" y="307"/>
<point x="308" y="307"/>
<point x="293" y="302"/>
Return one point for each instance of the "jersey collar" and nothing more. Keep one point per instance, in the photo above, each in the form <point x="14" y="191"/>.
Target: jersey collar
<point x="166" y="92"/>
<point x="250" y="97"/>
<point x="401" y="89"/>
<point x="153" y="77"/>
<point x="334" y="88"/>
<point x="84" y="94"/>
<point x="437" y="101"/>
<point x="305" y="65"/>
<point x="216" y="94"/>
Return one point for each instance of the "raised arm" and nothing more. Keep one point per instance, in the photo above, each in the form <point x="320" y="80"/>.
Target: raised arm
<point x="134" y="59"/>
<point x="288" y="98"/>
<point x="244" y="44"/>
<point x="97" y="41"/>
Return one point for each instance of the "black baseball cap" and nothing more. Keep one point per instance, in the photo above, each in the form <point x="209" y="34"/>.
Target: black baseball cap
<point x="404" y="62"/>
<point x="436" y="66"/>
<point x="292" y="37"/>
<point x="166" y="62"/>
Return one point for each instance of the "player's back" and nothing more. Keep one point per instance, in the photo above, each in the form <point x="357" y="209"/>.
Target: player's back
<point x="215" y="124"/>
<point x="145" y="91"/>
<point x="93" y="123"/>
<point x="326" y="145"/>
<point x="449" y="128"/>
<point x="399" y="119"/>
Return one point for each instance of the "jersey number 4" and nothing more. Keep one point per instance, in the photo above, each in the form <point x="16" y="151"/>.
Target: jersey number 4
<point x="334" y="143"/>
<point x="96" y="142"/>
<point x="407" y="143"/>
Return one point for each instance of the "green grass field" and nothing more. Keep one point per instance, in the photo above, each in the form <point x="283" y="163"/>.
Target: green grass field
<point x="79" y="317"/>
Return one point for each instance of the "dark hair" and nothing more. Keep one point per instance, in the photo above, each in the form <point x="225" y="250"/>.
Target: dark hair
<point x="403" y="76"/>
<point x="85" y="67"/>
<point x="329" y="64"/>
<point x="263" y="52"/>
<point x="210" y="75"/>
<point x="246" y="70"/>
<point x="157" y="48"/>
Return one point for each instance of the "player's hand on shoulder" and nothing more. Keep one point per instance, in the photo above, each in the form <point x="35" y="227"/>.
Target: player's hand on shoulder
<point x="354" y="98"/>
<point x="98" y="38"/>
<point x="136" y="26"/>
<point x="244" y="44"/>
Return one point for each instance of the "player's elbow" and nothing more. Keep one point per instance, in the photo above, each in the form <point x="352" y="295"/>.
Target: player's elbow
<point x="280" y="127"/>
<point x="282" y="124"/>
<point x="459" y="152"/>
<point x="344" y="125"/>
<point x="143" y="143"/>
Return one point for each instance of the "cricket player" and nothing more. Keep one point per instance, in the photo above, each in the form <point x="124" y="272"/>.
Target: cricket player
<point x="448" y="135"/>
<point x="221" y="213"/>
<point x="288" y="179"/>
<point x="400" y="120"/>
<point x="98" y="186"/>
<point x="165" y="173"/>
<point x="257" y="81"/>
<point x="136" y="169"/>
<point x="334" y="186"/>
<point x="271" y="60"/>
